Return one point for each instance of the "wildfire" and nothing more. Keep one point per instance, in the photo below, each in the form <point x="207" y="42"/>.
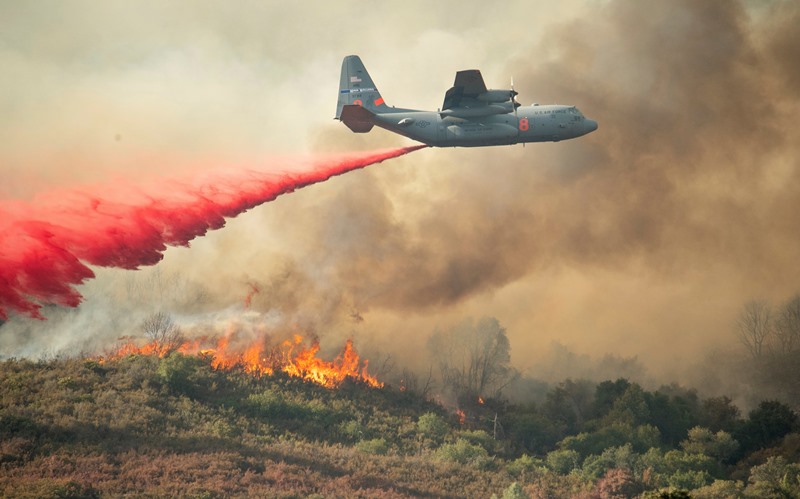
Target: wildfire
<point x="292" y="357"/>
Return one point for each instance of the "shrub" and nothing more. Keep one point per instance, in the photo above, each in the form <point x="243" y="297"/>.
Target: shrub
<point x="689" y="479"/>
<point x="618" y="482"/>
<point x="563" y="461"/>
<point x="273" y="405"/>
<point x="720" y="488"/>
<point x="351" y="431"/>
<point x="479" y="437"/>
<point x="432" y="427"/>
<point x="184" y="374"/>
<point x="463" y="452"/>
<point x="720" y="445"/>
<point x="374" y="446"/>
<point x="515" y="491"/>
<point x="612" y="458"/>
<point x="524" y="465"/>
<point x="775" y="478"/>
<point x="640" y="438"/>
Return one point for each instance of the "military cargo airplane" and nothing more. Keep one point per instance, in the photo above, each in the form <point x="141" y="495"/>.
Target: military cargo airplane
<point x="471" y="115"/>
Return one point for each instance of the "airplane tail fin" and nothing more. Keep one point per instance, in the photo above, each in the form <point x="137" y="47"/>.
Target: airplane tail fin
<point x="356" y="88"/>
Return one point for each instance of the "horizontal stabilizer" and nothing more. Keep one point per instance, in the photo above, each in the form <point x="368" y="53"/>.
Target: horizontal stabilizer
<point x="357" y="118"/>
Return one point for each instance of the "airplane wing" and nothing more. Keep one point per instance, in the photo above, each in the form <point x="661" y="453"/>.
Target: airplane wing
<point x="467" y="87"/>
<point x="469" y="98"/>
<point x="471" y="81"/>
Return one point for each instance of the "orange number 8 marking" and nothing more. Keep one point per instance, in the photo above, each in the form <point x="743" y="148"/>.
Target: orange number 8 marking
<point x="358" y="102"/>
<point x="523" y="124"/>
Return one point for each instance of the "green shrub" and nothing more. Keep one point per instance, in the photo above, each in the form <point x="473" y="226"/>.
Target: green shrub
<point x="689" y="479"/>
<point x="775" y="478"/>
<point x="432" y="427"/>
<point x="351" y="431"/>
<point x="184" y="374"/>
<point x="515" y="491"/>
<point x="463" y="452"/>
<point x="479" y="437"/>
<point x="563" y="461"/>
<point x="375" y="446"/>
<point x="524" y="465"/>
<point x="640" y="438"/>
<point x="273" y="405"/>
<point x="719" y="489"/>
<point x="622" y="458"/>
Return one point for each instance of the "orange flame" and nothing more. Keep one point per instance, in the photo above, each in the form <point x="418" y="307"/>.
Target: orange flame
<point x="480" y="400"/>
<point x="260" y="359"/>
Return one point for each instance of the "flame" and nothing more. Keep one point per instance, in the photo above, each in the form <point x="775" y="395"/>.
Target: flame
<point x="258" y="358"/>
<point x="462" y="417"/>
<point x="480" y="400"/>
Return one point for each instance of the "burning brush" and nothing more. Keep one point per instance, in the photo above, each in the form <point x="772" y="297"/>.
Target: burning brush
<point x="293" y="357"/>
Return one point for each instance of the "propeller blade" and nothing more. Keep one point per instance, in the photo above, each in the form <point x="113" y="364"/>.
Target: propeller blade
<point x="514" y="102"/>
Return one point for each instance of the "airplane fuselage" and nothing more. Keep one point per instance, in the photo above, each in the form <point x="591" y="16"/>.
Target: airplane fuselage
<point x="471" y="115"/>
<point x="546" y="123"/>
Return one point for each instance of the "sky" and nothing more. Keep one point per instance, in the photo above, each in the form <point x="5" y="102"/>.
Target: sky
<point x="643" y="239"/>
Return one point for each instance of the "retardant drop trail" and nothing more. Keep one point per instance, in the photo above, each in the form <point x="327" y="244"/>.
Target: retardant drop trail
<point x="46" y="245"/>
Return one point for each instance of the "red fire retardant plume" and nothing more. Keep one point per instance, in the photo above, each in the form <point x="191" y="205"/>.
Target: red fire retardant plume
<point x="46" y="245"/>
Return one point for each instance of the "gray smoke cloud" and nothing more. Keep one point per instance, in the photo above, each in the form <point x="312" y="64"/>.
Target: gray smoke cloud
<point x="641" y="240"/>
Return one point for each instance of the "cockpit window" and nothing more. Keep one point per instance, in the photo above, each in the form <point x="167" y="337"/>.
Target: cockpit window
<point x="577" y="115"/>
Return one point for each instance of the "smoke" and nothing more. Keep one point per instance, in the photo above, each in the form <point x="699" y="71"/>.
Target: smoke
<point x="47" y="244"/>
<point x="641" y="240"/>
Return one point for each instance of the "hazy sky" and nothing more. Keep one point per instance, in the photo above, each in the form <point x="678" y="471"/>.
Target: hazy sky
<point x="644" y="238"/>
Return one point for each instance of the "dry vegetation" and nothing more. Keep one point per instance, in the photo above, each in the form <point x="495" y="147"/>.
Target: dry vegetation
<point x="141" y="425"/>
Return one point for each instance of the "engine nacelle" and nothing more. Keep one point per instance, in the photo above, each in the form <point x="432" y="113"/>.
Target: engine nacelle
<point x="497" y="95"/>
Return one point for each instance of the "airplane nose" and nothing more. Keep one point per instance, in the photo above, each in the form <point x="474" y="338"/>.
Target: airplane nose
<point x="590" y="126"/>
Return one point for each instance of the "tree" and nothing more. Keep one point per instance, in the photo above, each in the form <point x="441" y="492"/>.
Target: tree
<point x="719" y="413"/>
<point x="787" y="326"/>
<point x="765" y="425"/>
<point x="673" y="410"/>
<point x="413" y="383"/>
<point x="473" y="359"/>
<point x="569" y="403"/>
<point x="720" y="445"/>
<point x="630" y="408"/>
<point x="775" y="478"/>
<point x="640" y="438"/>
<point x="563" y="461"/>
<point x="755" y="327"/>
<point x="162" y="331"/>
<point x="618" y="483"/>
<point x="606" y="393"/>
<point x="533" y="431"/>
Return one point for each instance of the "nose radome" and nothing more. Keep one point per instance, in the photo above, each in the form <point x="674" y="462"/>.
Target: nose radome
<point x="591" y="126"/>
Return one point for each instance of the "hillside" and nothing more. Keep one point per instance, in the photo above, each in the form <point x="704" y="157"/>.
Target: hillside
<point x="145" y="426"/>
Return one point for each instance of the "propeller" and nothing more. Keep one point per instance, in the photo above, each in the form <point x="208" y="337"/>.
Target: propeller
<point x="514" y="93"/>
<point x="514" y="102"/>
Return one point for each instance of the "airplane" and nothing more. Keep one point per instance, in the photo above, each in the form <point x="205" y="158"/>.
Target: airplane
<point x="471" y="115"/>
